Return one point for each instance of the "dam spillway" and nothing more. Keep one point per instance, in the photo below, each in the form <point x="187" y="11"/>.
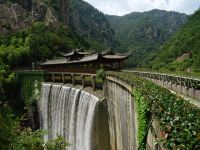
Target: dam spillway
<point x="122" y="116"/>
<point x="72" y="114"/>
<point x="86" y="121"/>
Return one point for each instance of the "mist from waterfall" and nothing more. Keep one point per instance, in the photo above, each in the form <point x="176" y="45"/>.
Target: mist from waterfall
<point x="68" y="112"/>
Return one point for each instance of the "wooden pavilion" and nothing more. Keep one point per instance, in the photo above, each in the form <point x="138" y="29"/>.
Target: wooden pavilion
<point x="81" y="61"/>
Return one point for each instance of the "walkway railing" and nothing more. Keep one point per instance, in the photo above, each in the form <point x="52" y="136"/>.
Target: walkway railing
<point x="189" y="87"/>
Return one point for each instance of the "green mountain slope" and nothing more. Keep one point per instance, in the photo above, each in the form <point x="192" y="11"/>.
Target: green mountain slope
<point x="182" y="52"/>
<point x="91" y="24"/>
<point x="144" y="32"/>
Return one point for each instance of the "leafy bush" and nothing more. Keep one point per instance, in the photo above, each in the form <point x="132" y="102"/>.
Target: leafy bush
<point x="100" y="74"/>
<point x="33" y="140"/>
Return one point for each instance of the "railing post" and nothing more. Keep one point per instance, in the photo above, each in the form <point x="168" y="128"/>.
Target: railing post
<point x="83" y="80"/>
<point x="180" y="84"/>
<point x="93" y="83"/>
<point x="170" y="82"/>
<point x="163" y="80"/>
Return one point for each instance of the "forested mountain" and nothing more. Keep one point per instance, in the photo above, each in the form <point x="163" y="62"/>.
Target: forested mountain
<point x="34" y="30"/>
<point x="144" y="32"/>
<point x="91" y="24"/>
<point x="182" y="51"/>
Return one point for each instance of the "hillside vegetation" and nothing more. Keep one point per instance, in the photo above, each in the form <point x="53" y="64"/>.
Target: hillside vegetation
<point x="91" y="24"/>
<point x="182" y="51"/>
<point x="143" y="33"/>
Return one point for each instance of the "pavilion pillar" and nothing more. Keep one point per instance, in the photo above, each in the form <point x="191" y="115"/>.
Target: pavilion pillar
<point x="93" y="83"/>
<point x="53" y="77"/>
<point x="63" y="78"/>
<point x="120" y="65"/>
<point x="83" y="80"/>
<point x="93" y="69"/>
<point x="73" y="78"/>
<point x="111" y="66"/>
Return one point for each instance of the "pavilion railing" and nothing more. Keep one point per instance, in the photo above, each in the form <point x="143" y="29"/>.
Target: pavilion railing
<point x="83" y="79"/>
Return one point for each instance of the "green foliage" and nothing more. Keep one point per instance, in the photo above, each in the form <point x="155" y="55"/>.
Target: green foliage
<point x="7" y="122"/>
<point x="33" y="140"/>
<point x="185" y="42"/>
<point x="15" y="137"/>
<point x="7" y="83"/>
<point x="58" y="143"/>
<point x="30" y="91"/>
<point x="46" y="42"/>
<point x="37" y="42"/>
<point x="142" y="111"/>
<point x="100" y="74"/>
<point x="30" y="86"/>
<point x="176" y="116"/>
<point x="27" y="139"/>
<point x="143" y="33"/>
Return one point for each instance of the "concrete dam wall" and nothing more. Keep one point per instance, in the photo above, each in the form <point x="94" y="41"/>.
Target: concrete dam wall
<point x="122" y="115"/>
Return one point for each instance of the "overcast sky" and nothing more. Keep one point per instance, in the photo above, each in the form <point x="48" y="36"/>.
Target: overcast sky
<point x="121" y="7"/>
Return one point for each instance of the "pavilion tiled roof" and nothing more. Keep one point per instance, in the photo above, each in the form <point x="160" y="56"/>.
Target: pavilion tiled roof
<point x="55" y="61"/>
<point x="115" y="56"/>
<point x="77" y="51"/>
<point x="87" y="58"/>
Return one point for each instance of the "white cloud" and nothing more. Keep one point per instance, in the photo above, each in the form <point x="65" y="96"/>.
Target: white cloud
<point x="121" y="7"/>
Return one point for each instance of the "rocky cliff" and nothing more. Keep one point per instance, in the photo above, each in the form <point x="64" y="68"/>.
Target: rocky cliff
<point x="20" y="14"/>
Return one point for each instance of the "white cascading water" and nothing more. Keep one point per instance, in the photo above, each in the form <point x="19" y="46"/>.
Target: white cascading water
<point x="68" y="112"/>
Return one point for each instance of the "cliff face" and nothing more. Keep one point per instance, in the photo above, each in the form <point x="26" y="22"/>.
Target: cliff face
<point x="20" y="14"/>
<point x="10" y="19"/>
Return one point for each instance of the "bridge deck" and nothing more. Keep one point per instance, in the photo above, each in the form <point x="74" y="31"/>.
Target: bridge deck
<point x="188" y="88"/>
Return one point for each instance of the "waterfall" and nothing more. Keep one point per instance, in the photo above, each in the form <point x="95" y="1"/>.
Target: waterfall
<point x="70" y="113"/>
